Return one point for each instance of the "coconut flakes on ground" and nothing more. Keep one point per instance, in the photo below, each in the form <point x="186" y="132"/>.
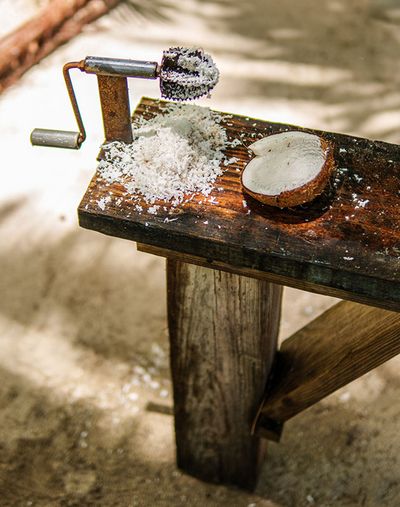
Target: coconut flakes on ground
<point x="175" y="153"/>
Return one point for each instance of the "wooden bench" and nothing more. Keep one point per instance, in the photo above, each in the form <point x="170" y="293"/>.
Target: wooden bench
<point x="227" y="259"/>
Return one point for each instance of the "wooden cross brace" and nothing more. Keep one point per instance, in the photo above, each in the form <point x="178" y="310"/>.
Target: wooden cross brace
<point x="345" y="342"/>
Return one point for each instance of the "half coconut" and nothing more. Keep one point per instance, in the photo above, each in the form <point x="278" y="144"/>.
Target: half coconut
<point x="288" y="169"/>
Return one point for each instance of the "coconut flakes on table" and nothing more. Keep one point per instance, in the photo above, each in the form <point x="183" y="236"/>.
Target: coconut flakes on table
<point x="173" y="154"/>
<point x="234" y="143"/>
<point x="153" y="209"/>
<point x="101" y="203"/>
<point x="230" y="161"/>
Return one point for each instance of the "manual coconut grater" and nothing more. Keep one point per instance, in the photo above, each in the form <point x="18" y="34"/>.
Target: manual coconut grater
<point x="184" y="73"/>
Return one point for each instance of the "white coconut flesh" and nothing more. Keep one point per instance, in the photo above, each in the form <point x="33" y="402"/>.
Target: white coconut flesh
<point x="283" y="162"/>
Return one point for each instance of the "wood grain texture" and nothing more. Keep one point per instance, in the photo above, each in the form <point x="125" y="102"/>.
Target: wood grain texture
<point x="347" y="239"/>
<point x="223" y="332"/>
<point x="345" y="342"/>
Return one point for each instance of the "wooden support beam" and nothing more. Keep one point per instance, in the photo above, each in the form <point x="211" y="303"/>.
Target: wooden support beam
<point x="345" y="342"/>
<point x="251" y="273"/>
<point x="223" y="333"/>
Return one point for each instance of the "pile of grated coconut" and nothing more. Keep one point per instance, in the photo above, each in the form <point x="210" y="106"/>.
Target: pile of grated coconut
<point x="176" y="153"/>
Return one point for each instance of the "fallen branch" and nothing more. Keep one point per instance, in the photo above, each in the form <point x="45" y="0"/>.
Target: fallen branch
<point x="56" y="24"/>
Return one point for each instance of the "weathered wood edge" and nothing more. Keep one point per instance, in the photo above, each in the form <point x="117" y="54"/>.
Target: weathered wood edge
<point x="341" y="345"/>
<point x="251" y="273"/>
<point x="273" y="269"/>
<point x="321" y="279"/>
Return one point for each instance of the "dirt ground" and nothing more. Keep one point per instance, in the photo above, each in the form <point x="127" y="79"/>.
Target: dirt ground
<point x="83" y="341"/>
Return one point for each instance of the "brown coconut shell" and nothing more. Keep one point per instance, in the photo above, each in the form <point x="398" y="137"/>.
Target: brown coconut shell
<point x="305" y="193"/>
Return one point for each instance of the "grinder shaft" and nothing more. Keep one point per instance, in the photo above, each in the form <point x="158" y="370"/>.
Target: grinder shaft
<point x="119" y="67"/>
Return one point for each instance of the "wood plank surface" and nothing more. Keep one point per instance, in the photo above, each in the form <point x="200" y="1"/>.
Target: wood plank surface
<point x="345" y="342"/>
<point x="348" y="239"/>
<point x="223" y="336"/>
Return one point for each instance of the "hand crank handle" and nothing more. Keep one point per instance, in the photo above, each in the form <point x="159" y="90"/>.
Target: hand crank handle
<point x="56" y="138"/>
<point x="63" y="138"/>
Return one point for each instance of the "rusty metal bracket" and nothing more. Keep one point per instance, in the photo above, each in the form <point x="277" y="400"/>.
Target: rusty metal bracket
<point x="115" y="108"/>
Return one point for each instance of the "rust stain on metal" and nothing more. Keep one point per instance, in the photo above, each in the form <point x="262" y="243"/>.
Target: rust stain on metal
<point x="115" y="108"/>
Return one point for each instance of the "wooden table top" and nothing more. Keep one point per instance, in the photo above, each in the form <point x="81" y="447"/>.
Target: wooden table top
<point x="346" y="242"/>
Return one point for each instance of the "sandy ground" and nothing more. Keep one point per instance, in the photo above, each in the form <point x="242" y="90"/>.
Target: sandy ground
<point x="83" y="341"/>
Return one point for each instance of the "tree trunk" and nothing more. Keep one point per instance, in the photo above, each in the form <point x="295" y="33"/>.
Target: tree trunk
<point x="56" y="24"/>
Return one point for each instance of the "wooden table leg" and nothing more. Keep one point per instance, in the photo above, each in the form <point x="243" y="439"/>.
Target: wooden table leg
<point x="223" y="335"/>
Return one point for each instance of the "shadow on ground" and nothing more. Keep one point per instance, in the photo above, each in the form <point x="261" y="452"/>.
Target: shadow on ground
<point x="57" y="450"/>
<point x="96" y="308"/>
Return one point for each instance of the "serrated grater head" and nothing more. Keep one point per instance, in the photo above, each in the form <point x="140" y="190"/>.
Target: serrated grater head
<point x="187" y="73"/>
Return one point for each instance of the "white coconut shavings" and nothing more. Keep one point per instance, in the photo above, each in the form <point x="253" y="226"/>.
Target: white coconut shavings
<point x="173" y="154"/>
<point x="204" y="67"/>
<point x="153" y="209"/>
<point x="362" y="203"/>
<point x="102" y="203"/>
<point x="230" y="161"/>
<point x="235" y="142"/>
